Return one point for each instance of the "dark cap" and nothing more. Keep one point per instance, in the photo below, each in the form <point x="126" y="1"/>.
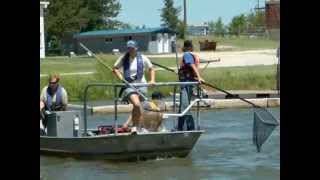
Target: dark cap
<point x="156" y="95"/>
<point x="187" y="44"/>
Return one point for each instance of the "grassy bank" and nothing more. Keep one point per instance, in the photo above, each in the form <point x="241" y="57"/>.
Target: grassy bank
<point x="83" y="64"/>
<point x="67" y="65"/>
<point x="237" y="78"/>
<point x="237" y="43"/>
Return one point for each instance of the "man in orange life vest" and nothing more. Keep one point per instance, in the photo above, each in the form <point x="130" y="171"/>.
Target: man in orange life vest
<point x="188" y="72"/>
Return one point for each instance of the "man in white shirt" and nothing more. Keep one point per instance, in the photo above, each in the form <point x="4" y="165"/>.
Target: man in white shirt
<point x="134" y="64"/>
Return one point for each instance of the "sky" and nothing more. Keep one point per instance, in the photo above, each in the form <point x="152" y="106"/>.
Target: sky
<point x="147" y="12"/>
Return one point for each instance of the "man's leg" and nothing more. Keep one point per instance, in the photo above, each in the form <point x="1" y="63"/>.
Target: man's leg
<point x="184" y="102"/>
<point x="188" y="117"/>
<point x="136" y="111"/>
<point x="127" y="123"/>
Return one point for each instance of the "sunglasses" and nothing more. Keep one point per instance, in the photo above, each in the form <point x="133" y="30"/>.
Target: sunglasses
<point x="53" y="82"/>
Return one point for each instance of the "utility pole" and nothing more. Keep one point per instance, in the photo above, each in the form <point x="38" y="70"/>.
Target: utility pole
<point x="185" y="12"/>
<point x="185" y="17"/>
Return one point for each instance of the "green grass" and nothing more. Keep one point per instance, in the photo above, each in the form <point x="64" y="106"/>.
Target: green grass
<point x="68" y="65"/>
<point x="83" y="64"/>
<point x="238" y="43"/>
<point x="243" y="78"/>
<point x="228" y="78"/>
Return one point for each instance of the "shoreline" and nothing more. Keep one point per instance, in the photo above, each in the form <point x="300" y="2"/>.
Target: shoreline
<point x="209" y="104"/>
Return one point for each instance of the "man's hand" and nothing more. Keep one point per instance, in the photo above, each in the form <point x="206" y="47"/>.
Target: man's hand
<point x="200" y="80"/>
<point x="152" y="83"/>
<point x="125" y="126"/>
<point x="117" y="73"/>
<point x="41" y="105"/>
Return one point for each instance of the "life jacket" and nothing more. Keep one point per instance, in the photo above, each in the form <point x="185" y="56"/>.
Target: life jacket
<point x="196" y="58"/>
<point x="126" y="67"/>
<point x="186" y="72"/>
<point x="154" y="107"/>
<point x="49" y="95"/>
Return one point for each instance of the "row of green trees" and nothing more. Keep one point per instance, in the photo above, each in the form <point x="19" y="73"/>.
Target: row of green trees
<point x="242" y="24"/>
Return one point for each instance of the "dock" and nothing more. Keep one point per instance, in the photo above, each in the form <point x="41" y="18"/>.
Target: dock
<point x="216" y="100"/>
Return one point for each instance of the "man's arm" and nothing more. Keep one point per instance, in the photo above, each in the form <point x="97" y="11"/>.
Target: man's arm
<point x="152" y="72"/>
<point x="195" y="70"/>
<point x="42" y="105"/>
<point x="42" y="98"/>
<point x="152" y="75"/>
<point x="116" y="67"/>
<point x="128" y="122"/>
<point x="117" y="73"/>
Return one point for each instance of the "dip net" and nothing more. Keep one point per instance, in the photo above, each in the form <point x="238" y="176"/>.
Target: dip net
<point x="263" y="125"/>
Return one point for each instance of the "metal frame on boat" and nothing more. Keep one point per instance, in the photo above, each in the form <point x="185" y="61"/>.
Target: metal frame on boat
<point x="125" y="146"/>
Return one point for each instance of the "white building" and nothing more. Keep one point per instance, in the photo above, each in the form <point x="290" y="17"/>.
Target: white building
<point x="198" y="30"/>
<point x="42" y="44"/>
<point x="153" y="40"/>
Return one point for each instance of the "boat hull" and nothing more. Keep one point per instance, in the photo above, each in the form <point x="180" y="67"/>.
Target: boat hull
<point x="123" y="146"/>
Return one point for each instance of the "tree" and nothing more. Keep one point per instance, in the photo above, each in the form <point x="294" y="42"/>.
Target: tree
<point x="217" y="28"/>
<point x="256" y="21"/>
<point x="125" y="26"/>
<point x="101" y="14"/>
<point x="169" y="15"/>
<point x="211" y="27"/>
<point x="181" y="29"/>
<point x="238" y="25"/>
<point x="63" y="16"/>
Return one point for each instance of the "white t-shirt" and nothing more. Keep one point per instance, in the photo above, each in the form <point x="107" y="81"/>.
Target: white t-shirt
<point x="133" y="67"/>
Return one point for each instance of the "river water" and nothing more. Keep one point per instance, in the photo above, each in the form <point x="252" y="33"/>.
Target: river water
<point x="225" y="151"/>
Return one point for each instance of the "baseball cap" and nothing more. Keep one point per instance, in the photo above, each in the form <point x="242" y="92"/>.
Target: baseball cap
<point x="187" y="44"/>
<point x="132" y="44"/>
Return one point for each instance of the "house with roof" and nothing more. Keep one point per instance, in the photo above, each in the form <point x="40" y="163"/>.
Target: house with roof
<point x="198" y="30"/>
<point x="151" y="40"/>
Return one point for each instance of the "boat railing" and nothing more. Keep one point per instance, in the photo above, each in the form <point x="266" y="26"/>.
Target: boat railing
<point x="116" y="86"/>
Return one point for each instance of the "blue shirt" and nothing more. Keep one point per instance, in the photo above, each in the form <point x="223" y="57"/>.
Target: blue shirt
<point x="188" y="58"/>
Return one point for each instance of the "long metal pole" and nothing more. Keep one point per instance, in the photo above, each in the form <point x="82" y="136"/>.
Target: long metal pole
<point x="174" y="103"/>
<point x="85" y="111"/>
<point x="198" y="107"/>
<point x="115" y="111"/>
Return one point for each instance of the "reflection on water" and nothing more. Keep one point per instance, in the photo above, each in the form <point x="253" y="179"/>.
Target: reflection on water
<point x="224" y="151"/>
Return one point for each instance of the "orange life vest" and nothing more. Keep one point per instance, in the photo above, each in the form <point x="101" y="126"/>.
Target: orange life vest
<point x="186" y="72"/>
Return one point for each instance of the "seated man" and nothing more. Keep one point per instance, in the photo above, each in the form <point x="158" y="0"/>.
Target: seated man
<point x="152" y="116"/>
<point x="53" y="98"/>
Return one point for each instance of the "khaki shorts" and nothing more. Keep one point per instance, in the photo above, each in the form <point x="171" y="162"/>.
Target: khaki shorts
<point x="129" y="91"/>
